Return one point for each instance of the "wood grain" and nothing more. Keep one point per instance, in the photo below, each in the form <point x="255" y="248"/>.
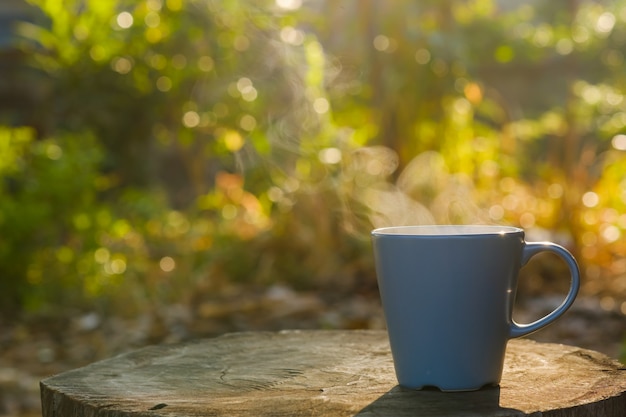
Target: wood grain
<point x="326" y="373"/>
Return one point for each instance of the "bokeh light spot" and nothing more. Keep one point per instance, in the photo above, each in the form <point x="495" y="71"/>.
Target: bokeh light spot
<point x="607" y="303"/>
<point x="473" y="92"/>
<point x="191" y="119"/>
<point x="122" y="65"/>
<point x="381" y="43"/>
<point x="321" y="105"/>
<point x="590" y="199"/>
<point x="241" y="43"/>
<point x="154" y="5"/>
<point x="247" y="122"/>
<point x="124" y="20"/>
<point x="292" y="36"/>
<point x="589" y="239"/>
<point x="164" y="83"/>
<point x="330" y="156"/>
<point x="605" y="22"/>
<point x="555" y="190"/>
<point x="97" y="53"/>
<point x="54" y="151"/>
<point x="158" y="61"/>
<point x="591" y="94"/>
<point x="422" y="56"/>
<point x="229" y="212"/>
<point x="246" y="89"/>
<point x="496" y="212"/>
<point x="117" y="266"/>
<point x="152" y="20"/>
<point x="206" y="63"/>
<point x="564" y="46"/>
<point x="233" y="140"/>
<point x="611" y="233"/>
<point x="619" y="142"/>
<point x="527" y="220"/>
<point x="167" y="264"/>
<point x="289" y="4"/>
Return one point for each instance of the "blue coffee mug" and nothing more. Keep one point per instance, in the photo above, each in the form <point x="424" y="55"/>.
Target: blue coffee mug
<point x="448" y="294"/>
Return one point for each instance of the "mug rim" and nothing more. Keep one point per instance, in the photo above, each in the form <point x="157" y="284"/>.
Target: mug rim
<point x="447" y="230"/>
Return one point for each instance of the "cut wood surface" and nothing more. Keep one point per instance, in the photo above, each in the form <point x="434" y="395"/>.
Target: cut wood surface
<point x="326" y="373"/>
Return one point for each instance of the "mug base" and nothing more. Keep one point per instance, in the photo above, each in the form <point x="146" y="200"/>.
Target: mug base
<point x="428" y="387"/>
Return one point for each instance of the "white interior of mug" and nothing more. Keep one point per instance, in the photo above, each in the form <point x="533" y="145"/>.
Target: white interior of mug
<point x="446" y="230"/>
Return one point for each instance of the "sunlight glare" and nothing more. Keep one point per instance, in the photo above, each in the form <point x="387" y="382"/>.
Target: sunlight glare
<point x="289" y="4"/>
<point x="619" y="142"/>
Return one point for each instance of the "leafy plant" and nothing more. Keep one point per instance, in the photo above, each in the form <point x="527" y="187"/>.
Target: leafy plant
<point x="227" y="141"/>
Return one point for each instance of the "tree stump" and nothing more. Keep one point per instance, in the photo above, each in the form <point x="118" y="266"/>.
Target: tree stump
<point x="326" y="373"/>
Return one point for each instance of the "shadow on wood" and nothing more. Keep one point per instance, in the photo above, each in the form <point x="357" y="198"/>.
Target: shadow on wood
<point x="401" y="402"/>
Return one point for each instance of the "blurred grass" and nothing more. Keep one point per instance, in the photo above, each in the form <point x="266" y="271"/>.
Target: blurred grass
<point x="163" y="149"/>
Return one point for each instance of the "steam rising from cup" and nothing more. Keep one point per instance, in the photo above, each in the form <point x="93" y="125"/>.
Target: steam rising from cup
<point x="425" y="192"/>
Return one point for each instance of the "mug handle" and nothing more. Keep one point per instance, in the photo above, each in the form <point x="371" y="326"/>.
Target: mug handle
<point x="530" y="250"/>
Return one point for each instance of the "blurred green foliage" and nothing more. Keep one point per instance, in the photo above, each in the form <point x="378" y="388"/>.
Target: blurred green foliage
<point x="175" y="146"/>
